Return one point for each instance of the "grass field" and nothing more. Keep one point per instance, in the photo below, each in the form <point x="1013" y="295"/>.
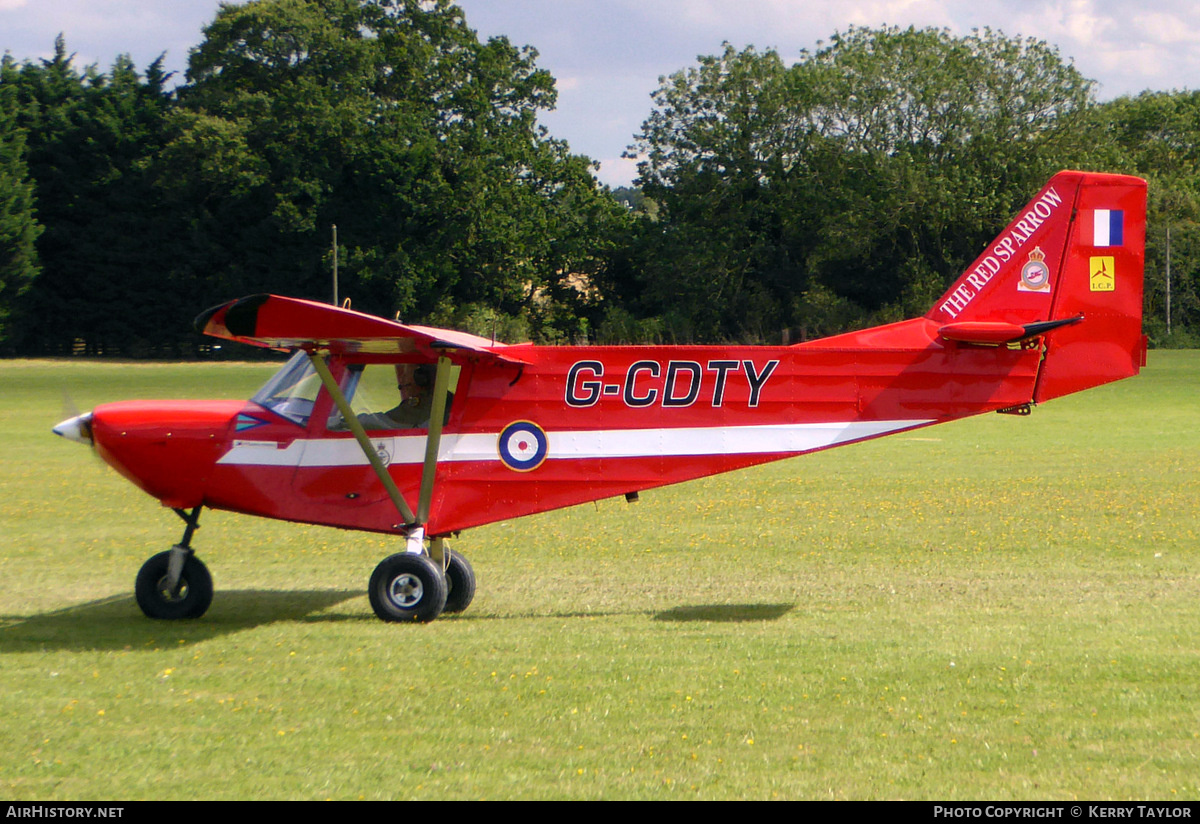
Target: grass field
<point x="1000" y="608"/>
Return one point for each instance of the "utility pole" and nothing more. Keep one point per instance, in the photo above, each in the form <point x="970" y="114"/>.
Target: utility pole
<point x="335" y="264"/>
<point x="1168" y="280"/>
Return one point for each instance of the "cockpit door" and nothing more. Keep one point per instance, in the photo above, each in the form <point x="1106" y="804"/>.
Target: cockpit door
<point x="394" y="412"/>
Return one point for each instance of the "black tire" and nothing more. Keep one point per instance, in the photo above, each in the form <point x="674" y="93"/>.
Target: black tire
<point x="195" y="589"/>
<point x="407" y="587"/>
<point x="460" y="580"/>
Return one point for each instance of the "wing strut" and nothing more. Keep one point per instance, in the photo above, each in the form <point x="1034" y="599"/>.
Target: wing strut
<point x="437" y="418"/>
<point x="410" y="521"/>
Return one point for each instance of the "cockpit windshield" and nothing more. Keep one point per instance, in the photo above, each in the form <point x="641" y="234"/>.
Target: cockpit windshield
<point x="292" y="391"/>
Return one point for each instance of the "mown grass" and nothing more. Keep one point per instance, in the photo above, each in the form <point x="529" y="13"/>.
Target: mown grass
<point x="998" y="608"/>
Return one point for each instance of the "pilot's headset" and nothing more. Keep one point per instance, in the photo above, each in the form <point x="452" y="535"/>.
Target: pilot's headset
<point x="423" y="376"/>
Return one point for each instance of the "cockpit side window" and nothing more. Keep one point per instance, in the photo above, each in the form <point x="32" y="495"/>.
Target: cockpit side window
<point x="391" y="396"/>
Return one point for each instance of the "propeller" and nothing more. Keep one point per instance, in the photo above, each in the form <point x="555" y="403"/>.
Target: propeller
<point x="74" y="426"/>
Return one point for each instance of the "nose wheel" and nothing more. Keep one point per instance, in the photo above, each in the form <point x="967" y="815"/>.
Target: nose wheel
<point x="166" y="597"/>
<point x="175" y="584"/>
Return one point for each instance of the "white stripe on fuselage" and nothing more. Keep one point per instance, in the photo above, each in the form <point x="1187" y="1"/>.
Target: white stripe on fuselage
<point x="571" y="445"/>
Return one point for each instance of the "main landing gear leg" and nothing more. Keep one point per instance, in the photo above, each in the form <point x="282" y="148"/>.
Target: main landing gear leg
<point x="175" y="584"/>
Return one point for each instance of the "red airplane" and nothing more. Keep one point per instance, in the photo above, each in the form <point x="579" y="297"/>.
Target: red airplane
<point x="423" y="433"/>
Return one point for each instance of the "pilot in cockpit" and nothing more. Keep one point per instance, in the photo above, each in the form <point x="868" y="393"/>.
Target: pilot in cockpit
<point x="415" y="382"/>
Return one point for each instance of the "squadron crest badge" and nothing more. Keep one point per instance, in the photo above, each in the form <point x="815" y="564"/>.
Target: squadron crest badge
<point x="1035" y="274"/>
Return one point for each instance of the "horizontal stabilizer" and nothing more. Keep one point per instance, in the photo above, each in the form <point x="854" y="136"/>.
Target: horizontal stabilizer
<point x="1000" y="332"/>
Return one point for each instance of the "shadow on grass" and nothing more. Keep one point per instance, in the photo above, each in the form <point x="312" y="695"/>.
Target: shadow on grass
<point x="726" y="612"/>
<point x="117" y="623"/>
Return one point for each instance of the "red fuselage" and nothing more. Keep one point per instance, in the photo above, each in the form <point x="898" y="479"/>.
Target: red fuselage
<point x="612" y="420"/>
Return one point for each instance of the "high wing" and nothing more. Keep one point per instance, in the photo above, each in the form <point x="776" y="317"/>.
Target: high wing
<point x="277" y="322"/>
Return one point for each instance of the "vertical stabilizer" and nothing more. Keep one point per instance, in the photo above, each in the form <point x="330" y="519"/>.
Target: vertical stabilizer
<point x="1075" y="251"/>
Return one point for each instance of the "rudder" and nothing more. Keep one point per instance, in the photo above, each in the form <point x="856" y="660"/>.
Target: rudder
<point x="1101" y="281"/>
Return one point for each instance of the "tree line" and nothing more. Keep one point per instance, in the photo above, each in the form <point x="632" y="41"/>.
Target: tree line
<point x="775" y="200"/>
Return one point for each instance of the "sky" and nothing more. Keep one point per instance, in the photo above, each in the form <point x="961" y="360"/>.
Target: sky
<point x="608" y="55"/>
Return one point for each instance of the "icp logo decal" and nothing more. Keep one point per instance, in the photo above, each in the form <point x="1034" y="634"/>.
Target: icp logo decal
<point x="523" y="446"/>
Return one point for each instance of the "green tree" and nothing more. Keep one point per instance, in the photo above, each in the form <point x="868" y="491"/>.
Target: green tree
<point x="941" y="138"/>
<point x="88" y="136"/>
<point x="721" y="153"/>
<point x="1157" y="135"/>
<point x="857" y="181"/>
<point x="19" y="228"/>
<point x="392" y="120"/>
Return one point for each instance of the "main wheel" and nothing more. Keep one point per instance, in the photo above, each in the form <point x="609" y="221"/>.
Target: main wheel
<point x="407" y="587"/>
<point x="460" y="579"/>
<point x="195" y="589"/>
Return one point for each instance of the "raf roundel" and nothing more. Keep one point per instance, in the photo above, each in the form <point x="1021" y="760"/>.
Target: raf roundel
<point x="523" y="446"/>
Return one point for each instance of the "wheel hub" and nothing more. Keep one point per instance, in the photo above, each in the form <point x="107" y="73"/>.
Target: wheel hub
<point x="164" y="589"/>
<point x="406" y="591"/>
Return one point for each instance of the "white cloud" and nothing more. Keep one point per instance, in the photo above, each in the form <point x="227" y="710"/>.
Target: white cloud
<point x="1125" y="46"/>
<point x="1164" y="28"/>
<point x="617" y="171"/>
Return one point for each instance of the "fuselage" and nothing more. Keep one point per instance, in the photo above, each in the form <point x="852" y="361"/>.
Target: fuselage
<point x="568" y="425"/>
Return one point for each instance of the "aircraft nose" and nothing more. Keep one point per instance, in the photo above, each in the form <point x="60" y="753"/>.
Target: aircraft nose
<point x="78" y="429"/>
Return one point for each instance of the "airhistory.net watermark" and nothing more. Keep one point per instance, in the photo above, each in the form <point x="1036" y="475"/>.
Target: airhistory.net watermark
<point x="61" y="811"/>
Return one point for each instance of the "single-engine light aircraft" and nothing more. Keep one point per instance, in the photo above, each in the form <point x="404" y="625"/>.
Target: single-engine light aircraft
<point x="422" y="433"/>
